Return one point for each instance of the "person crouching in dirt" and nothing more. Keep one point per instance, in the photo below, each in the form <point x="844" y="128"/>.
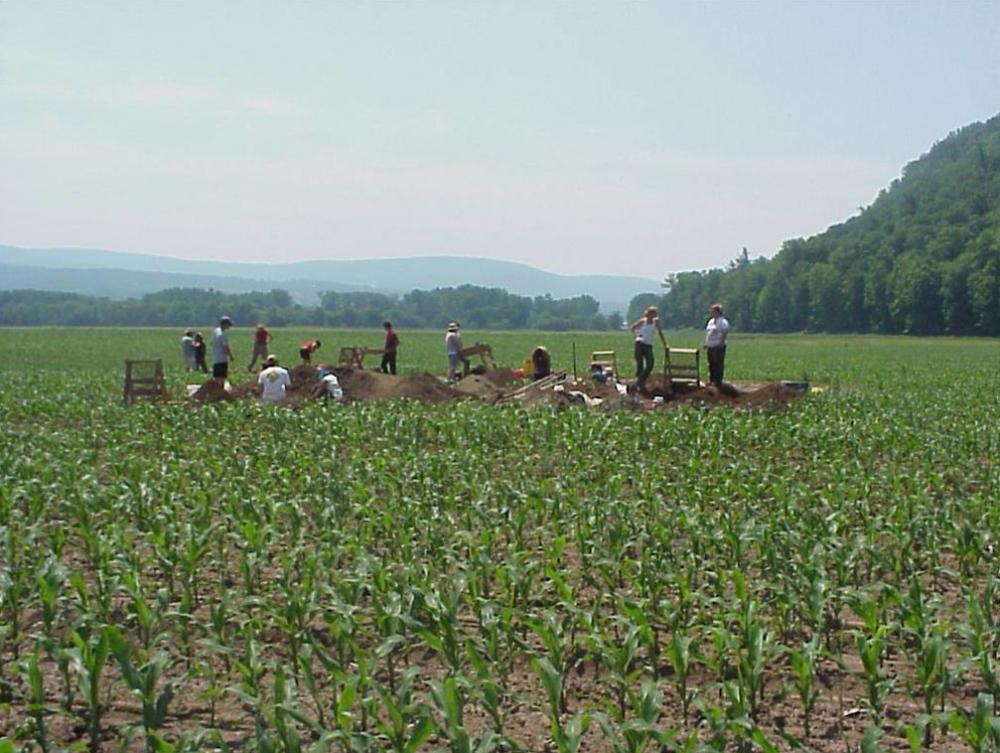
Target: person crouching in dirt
<point x="199" y="353"/>
<point x="715" y="344"/>
<point x="389" y="349"/>
<point x="273" y="381"/>
<point x="644" y="329"/>
<point x="541" y="363"/>
<point x="597" y="373"/>
<point x="307" y="349"/>
<point x="328" y="387"/>
<point x="453" y="348"/>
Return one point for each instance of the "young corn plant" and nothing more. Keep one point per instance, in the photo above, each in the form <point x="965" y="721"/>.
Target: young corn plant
<point x="490" y="688"/>
<point x="35" y="705"/>
<point x="804" y="661"/>
<point x="405" y="723"/>
<point x="89" y="657"/>
<point x="144" y="683"/>
<point x="983" y="638"/>
<point x="871" y="649"/>
<point x="641" y="729"/>
<point x="619" y="658"/>
<point x="682" y="658"/>
<point x="449" y="700"/>
<point x="980" y="730"/>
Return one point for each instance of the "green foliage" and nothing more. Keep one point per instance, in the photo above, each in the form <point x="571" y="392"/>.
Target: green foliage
<point x="923" y="259"/>
<point x="402" y="577"/>
<point x="474" y="306"/>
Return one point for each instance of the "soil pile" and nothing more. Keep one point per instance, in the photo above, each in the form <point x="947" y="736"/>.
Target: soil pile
<point x="211" y="392"/>
<point x="501" y="377"/>
<point x="480" y="386"/>
<point x="767" y="396"/>
<point x="374" y="385"/>
<point x="502" y="387"/>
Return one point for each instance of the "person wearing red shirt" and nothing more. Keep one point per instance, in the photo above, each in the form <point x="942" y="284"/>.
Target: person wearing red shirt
<point x="389" y="350"/>
<point x="261" y="337"/>
<point x="306" y="350"/>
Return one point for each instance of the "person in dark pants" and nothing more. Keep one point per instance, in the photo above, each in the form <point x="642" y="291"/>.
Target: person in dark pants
<point x="644" y="329"/>
<point x="307" y="349"/>
<point x="221" y="353"/>
<point x="715" y="344"/>
<point x="389" y="349"/>
<point x="199" y="353"/>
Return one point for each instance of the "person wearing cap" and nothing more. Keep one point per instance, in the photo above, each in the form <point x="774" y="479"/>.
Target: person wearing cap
<point x="307" y="349"/>
<point x="187" y="349"/>
<point x="273" y="380"/>
<point x="221" y="353"/>
<point x="715" y="343"/>
<point x="453" y="349"/>
<point x="261" y="337"/>
<point x="644" y="329"/>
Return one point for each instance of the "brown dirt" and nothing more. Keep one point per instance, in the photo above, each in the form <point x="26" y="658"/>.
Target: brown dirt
<point x="481" y="386"/>
<point x="498" y="386"/>
<point x="211" y="392"/>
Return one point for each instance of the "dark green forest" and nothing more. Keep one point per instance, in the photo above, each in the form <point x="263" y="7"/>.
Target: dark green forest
<point x="475" y="307"/>
<point x="923" y="259"/>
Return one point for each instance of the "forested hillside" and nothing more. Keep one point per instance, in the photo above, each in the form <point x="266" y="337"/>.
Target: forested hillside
<point x="924" y="258"/>
<point x="482" y="308"/>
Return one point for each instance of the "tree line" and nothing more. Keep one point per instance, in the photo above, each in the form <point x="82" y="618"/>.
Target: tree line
<point x="923" y="259"/>
<point x="475" y="307"/>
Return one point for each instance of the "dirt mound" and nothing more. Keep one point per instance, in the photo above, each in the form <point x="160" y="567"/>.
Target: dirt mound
<point x="502" y="387"/>
<point x="374" y="385"/>
<point x="211" y="392"/>
<point x="766" y="396"/>
<point x="501" y="377"/>
<point x="480" y="386"/>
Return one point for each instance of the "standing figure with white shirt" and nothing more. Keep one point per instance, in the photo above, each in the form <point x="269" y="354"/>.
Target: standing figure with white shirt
<point x="644" y="329"/>
<point x="715" y="343"/>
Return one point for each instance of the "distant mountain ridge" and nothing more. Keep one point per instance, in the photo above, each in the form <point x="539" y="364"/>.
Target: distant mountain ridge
<point x="124" y="275"/>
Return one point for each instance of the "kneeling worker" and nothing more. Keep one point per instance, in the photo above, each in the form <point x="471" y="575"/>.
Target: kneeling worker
<point x="274" y="381"/>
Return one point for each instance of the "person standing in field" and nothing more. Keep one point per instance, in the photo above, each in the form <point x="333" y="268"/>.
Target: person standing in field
<point x="715" y="343"/>
<point x="273" y="380"/>
<point x="199" y="353"/>
<point x="261" y="337"/>
<point x="644" y="329"/>
<point x="453" y="349"/>
<point x="221" y="353"/>
<point x="389" y="349"/>
<point x="307" y="349"/>
<point x="187" y="349"/>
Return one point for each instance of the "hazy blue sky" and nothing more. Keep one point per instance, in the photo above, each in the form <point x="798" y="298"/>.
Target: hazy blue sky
<point x="630" y="138"/>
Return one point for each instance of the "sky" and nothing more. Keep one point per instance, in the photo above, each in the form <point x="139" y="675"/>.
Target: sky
<point x="635" y="138"/>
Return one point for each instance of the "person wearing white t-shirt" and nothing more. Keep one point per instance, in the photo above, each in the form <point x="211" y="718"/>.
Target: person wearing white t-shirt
<point x="715" y="343"/>
<point x="328" y="387"/>
<point x="644" y="329"/>
<point x="274" y="381"/>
